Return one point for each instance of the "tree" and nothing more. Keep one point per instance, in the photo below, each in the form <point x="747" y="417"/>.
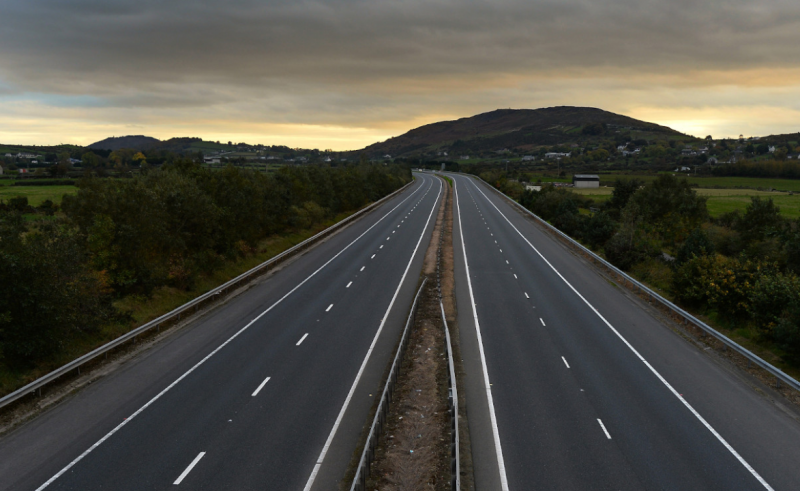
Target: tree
<point x="623" y="190"/>
<point x="669" y="208"/>
<point x="760" y="219"/>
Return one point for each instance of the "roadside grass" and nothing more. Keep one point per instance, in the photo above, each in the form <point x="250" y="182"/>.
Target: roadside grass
<point x="144" y="309"/>
<point x="37" y="194"/>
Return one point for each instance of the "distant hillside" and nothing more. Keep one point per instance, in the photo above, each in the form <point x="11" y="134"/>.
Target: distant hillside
<point x="510" y="128"/>
<point x="136" y="142"/>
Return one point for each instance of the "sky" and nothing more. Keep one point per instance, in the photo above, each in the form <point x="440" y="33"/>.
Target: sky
<point x="342" y="74"/>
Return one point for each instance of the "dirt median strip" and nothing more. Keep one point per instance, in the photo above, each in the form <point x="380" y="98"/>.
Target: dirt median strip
<point x="414" y="452"/>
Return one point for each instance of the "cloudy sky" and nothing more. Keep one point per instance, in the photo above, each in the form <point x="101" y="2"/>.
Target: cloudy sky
<point x="345" y="73"/>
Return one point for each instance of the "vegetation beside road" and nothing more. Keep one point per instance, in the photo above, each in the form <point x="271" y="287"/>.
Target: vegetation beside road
<point x="124" y="251"/>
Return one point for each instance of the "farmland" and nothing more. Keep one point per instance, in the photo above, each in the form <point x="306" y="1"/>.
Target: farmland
<point x="36" y="194"/>
<point x="721" y="200"/>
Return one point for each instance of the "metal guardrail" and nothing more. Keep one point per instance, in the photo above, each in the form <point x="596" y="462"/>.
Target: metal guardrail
<point x="686" y="316"/>
<point x="368" y="454"/>
<point x="189" y="307"/>
<point x="455" y="463"/>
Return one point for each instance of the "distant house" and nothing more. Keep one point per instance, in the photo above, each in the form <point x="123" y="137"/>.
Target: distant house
<point x="556" y="155"/>
<point x="211" y="160"/>
<point x="531" y="187"/>
<point x="526" y="158"/>
<point x="75" y="161"/>
<point x="683" y="169"/>
<point x="772" y="149"/>
<point x="387" y="156"/>
<point x="626" y="153"/>
<point x="9" y="155"/>
<point x="465" y="157"/>
<point x="586" y="181"/>
<point x="712" y="160"/>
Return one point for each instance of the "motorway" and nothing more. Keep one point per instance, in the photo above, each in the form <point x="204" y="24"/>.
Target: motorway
<point x="572" y="384"/>
<point x="269" y="390"/>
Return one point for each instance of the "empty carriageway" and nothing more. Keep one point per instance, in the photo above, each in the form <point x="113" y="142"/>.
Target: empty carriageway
<point x="268" y="391"/>
<point x="571" y="384"/>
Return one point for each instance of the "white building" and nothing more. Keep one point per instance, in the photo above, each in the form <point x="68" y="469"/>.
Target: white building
<point x="586" y="181"/>
<point x="531" y="187"/>
<point x="465" y="157"/>
<point x="526" y="158"/>
<point x="556" y="155"/>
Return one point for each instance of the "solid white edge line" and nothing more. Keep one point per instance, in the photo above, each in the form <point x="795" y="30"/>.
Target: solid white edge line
<point x="235" y="335"/>
<point x="608" y="435"/>
<point x="260" y="386"/>
<point x="641" y="358"/>
<point x="338" y="421"/>
<point x="189" y="469"/>
<point x="501" y="466"/>
<point x="565" y="361"/>
<point x="302" y="339"/>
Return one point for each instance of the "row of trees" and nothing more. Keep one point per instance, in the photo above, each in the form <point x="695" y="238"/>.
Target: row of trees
<point x="164" y="227"/>
<point x="741" y="268"/>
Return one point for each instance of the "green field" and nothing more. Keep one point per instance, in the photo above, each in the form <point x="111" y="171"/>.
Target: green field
<point x="37" y="194"/>
<point x="717" y="182"/>
<point x="719" y="200"/>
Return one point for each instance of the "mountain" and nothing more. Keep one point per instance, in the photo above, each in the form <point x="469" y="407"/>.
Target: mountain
<point x="136" y="142"/>
<point x="512" y="128"/>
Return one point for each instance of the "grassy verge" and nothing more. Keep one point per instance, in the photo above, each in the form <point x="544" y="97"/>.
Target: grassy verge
<point x="163" y="300"/>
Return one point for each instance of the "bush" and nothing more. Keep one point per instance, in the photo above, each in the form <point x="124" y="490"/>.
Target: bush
<point x="717" y="282"/>
<point x="598" y="229"/>
<point x="628" y="247"/>
<point x="696" y="245"/>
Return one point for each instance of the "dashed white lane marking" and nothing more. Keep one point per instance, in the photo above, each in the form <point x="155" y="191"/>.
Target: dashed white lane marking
<point x="302" y="339"/>
<point x="387" y="238"/>
<point x="506" y="259"/>
<point x="515" y="277"/>
<point x="189" y="469"/>
<point x="261" y="386"/>
<point x="501" y="250"/>
<point x="393" y="231"/>
<point x="329" y="308"/>
<point x="565" y="361"/>
<point x="604" y="429"/>
<point x="526" y="295"/>
<point x="362" y="268"/>
<point x="373" y="256"/>
<point x="348" y="285"/>
<point x="542" y="322"/>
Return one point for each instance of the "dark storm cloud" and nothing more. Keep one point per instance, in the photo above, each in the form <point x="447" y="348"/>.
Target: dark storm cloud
<point x="133" y="50"/>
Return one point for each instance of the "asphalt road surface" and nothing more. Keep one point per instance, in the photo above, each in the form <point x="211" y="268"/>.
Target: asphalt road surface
<point x="573" y="385"/>
<point x="269" y="391"/>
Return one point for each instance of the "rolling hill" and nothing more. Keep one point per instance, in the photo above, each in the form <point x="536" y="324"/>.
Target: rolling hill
<point x="136" y="142"/>
<point x="511" y="128"/>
